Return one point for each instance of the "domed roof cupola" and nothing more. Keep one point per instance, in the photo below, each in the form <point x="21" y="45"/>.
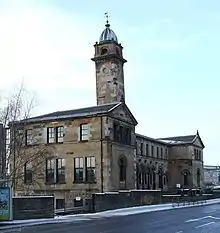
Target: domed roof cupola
<point x="108" y="34"/>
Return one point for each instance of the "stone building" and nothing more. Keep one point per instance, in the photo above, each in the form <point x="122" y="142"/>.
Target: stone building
<point x="96" y="149"/>
<point x="166" y="163"/>
<point x="211" y="175"/>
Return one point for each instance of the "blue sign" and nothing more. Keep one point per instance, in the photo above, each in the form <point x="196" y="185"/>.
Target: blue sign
<point x="5" y="203"/>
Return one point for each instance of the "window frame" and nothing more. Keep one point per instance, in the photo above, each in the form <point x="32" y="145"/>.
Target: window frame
<point x="161" y="153"/>
<point x="59" y="134"/>
<point x="185" y="178"/>
<point x="90" y="167"/>
<point x="50" y="135"/>
<point x="60" y="170"/>
<point x="142" y="148"/>
<point x="158" y="153"/>
<point x="55" y="134"/>
<point x="84" y="132"/>
<point x="28" y="139"/>
<point x="28" y="173"/>
<point x="122" y="169"/>
<point x="50" y="170"/>
<point x="147" y="149"/>
<point x="78" y="170"/>
<point x="152" y="151"/>
<point x="166" y="153"/>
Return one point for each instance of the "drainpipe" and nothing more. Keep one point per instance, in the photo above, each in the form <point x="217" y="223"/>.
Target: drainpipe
<point x="101" y="152"/>
<point x="14" y="162"/>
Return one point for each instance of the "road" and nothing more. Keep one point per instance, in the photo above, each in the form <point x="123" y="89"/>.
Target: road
<point x="200" y="219"/>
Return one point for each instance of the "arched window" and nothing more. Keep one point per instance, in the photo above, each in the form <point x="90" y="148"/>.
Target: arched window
<point x="160" y="176"/>
<point x="104" y="51"/>
<point x="137" y="176"/>
<point x="154" y="177"/>
<point x="117" y="51"/>
<point x="150" y="180"/>
<point x="198" y="177"/>
<point x="142" y="176"/>
<point x="164" y="180"/>
<point x="122" y="168"/>
<point x="185" y="178"/>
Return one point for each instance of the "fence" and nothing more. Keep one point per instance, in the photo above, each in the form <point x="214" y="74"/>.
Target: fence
<point x="189" y="197"/>
<point x="72" y="210"/>
<point x="187" y="200"/>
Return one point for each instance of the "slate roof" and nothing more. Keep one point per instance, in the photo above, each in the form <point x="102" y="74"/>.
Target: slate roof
<point x="108" y="35"/>
<point x="77" y="113"/>
<point x="186" y="138"/>
<point x="171" y="141"/>
<point x="74" y="113"/>
<point x="150" y="139"/>
<point x="181" y="140"/>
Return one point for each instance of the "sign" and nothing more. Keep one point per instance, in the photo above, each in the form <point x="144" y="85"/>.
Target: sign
<point x="178" y="185"/>
<point x="5" y="203"/>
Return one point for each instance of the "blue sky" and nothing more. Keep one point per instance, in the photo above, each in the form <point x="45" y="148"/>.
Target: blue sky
<point x="172" y="48"/>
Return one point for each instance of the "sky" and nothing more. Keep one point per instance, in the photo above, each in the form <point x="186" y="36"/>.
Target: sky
<point x="172" y="76"/>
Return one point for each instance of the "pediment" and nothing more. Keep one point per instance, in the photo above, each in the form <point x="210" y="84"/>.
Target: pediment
<point x="123" y="113"/>
<point x="198" y="142"/>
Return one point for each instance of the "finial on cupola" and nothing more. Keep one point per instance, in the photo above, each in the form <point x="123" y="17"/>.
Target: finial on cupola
<point x="107" y="19"/>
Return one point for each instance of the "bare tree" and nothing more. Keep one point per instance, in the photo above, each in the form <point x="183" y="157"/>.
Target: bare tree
<point x="25" y="152"/>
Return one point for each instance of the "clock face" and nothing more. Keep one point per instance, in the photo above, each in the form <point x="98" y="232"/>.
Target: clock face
<point x="105" y="70"/>
<point x="110" y="69"/>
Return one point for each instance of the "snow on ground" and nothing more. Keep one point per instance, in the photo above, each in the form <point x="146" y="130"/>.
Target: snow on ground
<point x="104" y="214"/>
<point x="135" y="210"/>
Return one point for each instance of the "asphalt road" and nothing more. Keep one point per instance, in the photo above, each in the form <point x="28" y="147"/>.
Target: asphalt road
<point x="200" y="219"/>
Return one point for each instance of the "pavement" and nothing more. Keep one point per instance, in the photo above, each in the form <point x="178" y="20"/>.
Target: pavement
<point x="196" y="219"/>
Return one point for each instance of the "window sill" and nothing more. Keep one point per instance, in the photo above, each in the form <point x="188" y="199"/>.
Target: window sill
<point x="53" y="183"/>
<point x="83" y="141"/>
<point x="90" y="182"/>
<point x="84" y="182"/>
<point x="61" y="182"/>
<point x="49" y="183"/>
<point x="32" y="145"/>
<point x="78" y="182"/>
<point x="53" y="143"/>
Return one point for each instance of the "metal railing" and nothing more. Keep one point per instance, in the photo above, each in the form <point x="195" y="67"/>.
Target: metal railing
<point x="188" y="200"/>
<point x="72" y="210"/>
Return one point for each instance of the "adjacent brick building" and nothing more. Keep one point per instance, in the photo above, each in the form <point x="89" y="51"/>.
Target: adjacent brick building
<point x="96" y="149"/>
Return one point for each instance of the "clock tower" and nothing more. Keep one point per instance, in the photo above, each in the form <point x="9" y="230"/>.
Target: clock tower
<point x="109" y="64"/>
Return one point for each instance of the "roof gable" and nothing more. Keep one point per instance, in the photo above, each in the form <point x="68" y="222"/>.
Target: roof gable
<point x="183" y="140"/>
<point x="198" y="142"/>
<point x="179" y="139"/>
<point x="122" y="112"/>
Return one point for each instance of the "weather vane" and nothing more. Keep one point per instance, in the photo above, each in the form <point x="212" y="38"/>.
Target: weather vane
<point x="107" y="17"/>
